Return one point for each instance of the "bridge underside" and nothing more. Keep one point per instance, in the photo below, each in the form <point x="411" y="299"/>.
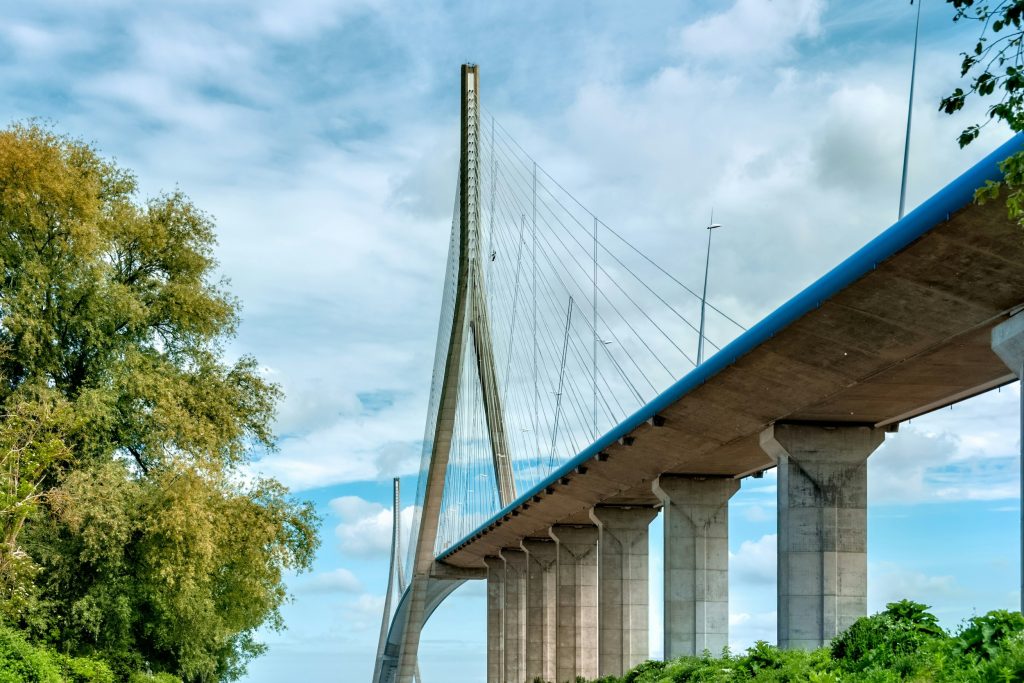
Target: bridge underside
<point x="908" y="337"/>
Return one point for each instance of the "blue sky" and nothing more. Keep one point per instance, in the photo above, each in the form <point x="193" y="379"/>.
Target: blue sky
<point x="322" y="136"/>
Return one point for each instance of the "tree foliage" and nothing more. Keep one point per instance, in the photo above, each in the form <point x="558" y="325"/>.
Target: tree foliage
<point x="994" y="67"/>
<point x="888" y="639"/>
<point x="126" y="529"/>
<point x="112" y="304"/>
<point x="185" y="567"/>
<point x="31" y="449"/>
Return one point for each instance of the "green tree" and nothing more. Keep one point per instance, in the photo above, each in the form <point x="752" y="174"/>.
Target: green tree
<point x="145" y="545"/>
<point x="114" y="305"/>
<point x="31" y="447"/>
<point x="184" y="567"/>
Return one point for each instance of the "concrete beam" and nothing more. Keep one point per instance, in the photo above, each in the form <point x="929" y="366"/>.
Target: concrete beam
<point x="576" y="634"/>
<point x="822" y="518"/>
<point x="541" y="601"/>
<point x="515" y="614"/>
<point x="442" y="570"/>
<point x="622" y="599"/>
<point x="495" y="619"/>
<point x="696" y="523"/>
<point x="1008" y="343"/>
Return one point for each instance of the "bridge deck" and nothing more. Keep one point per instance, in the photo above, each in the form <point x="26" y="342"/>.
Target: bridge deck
<point x="900" y="328"/>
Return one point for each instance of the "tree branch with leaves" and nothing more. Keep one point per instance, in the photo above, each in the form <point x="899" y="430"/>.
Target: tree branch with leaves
<point x="994" y="68"/>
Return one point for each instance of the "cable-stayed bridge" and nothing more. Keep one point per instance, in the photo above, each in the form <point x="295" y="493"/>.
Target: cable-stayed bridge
<point x="567" y="407"/>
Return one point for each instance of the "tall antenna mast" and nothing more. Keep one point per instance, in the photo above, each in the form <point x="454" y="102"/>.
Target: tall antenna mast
<point x="910" y="112"/>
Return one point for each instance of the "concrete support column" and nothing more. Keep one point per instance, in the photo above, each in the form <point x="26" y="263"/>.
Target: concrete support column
<point x="622" y="599"/>
<point x="1008" y="343"/>
<point x="822" y="499"/>
<point x="541" y="599"/>
<point x="576" y="604"/>
<point x="515" y="615"/>
<point x="696" y="562"/>
<point x="495" y="619"/>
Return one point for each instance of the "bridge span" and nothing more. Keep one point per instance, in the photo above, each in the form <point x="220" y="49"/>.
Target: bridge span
<point x="923" y="316"/>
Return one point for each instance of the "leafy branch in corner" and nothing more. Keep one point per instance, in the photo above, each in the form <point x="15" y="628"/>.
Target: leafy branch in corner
<point x="994" y="67"/>
<point x="996" y="64"/>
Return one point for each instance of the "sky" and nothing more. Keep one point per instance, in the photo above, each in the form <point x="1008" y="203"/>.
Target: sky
<point x="322" y="136"/>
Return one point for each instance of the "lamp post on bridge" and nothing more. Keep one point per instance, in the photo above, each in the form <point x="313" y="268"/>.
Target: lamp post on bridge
<point x="910" y="112"/>
<point x="704" y="297"/>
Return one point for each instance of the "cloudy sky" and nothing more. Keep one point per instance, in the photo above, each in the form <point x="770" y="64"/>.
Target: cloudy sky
<point x="322" y="135"/>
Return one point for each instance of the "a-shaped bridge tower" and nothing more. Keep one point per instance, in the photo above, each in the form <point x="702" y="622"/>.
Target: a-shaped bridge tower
<point x="464" y="351"/>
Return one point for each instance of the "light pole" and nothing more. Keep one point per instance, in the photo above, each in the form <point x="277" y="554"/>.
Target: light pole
<point x="910" y="112"/>
<point x="704" y="296"/>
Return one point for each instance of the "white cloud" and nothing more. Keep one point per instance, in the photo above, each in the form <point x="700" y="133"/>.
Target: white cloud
<point x="755" y="564"/>
<point x="853" y="147"/>
<point x="825" y="137"/>
<point x="746" y="628"/>
<point x="919" y="466"/>
<point x="762" y="29"/>
<point x="346" y="451"/>
<point x="34" y="41"/>
<point x="368" y="604"/>
<point x="363" y="614"/>
<point x="891" y="582"/>
<point x="338" y="580"/>
<point x="365" y="526"/>
<point x="302" y="18"/>
<point x="757" y="513"/>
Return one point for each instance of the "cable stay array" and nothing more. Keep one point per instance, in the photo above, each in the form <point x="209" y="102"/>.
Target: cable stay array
<point x="584" y="329"/>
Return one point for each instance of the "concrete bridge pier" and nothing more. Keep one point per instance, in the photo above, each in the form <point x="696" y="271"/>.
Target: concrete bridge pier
<point x="515" y="612"/>
<point x="622" y="599"/>
<point x="541" y="600"/>
<point x="822" y="518"/>
<point x="1008" y="343"/>
<point x="576" y="636"/>
<point x="696" y="523"/>
<point x="495" y="619"/>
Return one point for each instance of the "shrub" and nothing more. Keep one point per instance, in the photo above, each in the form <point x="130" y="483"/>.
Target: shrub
<point x="153" y="678"/>
<point x="85" y="670"/>
<point x="985" y="636"/>
<point x="914" y="615"/>
<point x="1006" y="663"/>
<point x="887" y="641"/>
<point x="692" y="669"/>
<point x="650" y="670"/>
<point x="762" y="656"/>
<point x="21" y="662"/>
